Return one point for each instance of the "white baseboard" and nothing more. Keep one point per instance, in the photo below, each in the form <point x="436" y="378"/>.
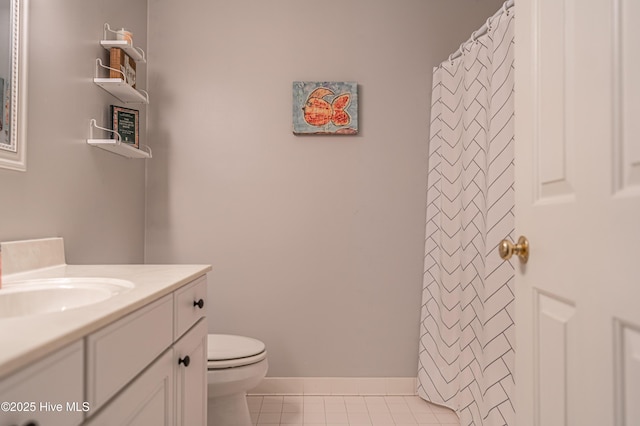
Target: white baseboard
<point x="336" y="386"/>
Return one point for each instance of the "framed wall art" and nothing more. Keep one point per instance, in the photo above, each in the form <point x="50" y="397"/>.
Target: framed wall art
<point x="325" y="108"/>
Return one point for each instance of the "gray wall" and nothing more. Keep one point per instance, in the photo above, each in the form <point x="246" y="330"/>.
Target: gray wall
<point x="316" y="242"/>
<point x="92" y="198"/>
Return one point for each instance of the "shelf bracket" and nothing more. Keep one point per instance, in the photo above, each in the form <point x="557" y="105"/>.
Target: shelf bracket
<point x="145" y="93"/>
<point x="147" y="149"/>
<point x="99" y="64"/>
<point x="107" y="28"/>
<point x="139" y="49"/>
<point x="94" y="124"/>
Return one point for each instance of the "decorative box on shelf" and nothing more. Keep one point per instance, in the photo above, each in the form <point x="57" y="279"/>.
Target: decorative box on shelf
<point x="121" y="64"/>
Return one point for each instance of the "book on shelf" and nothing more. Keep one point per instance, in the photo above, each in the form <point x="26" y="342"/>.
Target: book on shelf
<point x="123" y="66"/>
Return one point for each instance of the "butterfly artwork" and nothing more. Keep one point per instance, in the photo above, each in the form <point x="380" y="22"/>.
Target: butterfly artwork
<point x="325" y="108"/>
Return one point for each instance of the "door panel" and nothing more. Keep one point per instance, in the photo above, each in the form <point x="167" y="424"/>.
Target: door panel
<point x="577" y="150"/>
<point x="627" y="91"/>
<point x="553" y="325"/>
<point x="555" y="150"/>
<point x="627" y="374"/>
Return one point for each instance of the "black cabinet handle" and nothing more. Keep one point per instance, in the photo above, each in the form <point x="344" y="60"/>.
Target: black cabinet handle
<point x="199" y="303"/>
<point x="186" y="361"/>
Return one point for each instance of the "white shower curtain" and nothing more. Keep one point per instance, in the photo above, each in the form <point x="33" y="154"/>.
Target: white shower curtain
<point x="466" y="359"/>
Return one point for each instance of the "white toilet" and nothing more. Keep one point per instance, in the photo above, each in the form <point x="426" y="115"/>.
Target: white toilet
<point x="235" y="365"/>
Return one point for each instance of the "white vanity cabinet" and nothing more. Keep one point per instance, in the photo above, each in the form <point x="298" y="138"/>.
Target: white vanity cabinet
<point x="146" y="368"/>
<point x="48" y="393"/>
<point x="149" y="368"/>
<point x="137" y="357"/>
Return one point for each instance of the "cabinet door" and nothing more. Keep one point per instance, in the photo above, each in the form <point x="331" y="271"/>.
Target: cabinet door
<point x="119" y="351"/>
<point x="47" y="393"/>
<point x="191" y="379"/>
<point x="148" y="400"/>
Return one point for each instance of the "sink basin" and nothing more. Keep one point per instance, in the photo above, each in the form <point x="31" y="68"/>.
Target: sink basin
<point x="43" y="296"/>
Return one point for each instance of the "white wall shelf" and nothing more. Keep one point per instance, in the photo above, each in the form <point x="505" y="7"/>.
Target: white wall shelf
<point x="119" y="87"/>
<point x="135" y="53"/>
<point x="119" y="148"/>
<point x="121" y="90"/>
<point x="116" y="145"/>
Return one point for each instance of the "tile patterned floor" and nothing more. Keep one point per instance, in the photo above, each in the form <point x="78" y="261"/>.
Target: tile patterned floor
<point x="348" y="411"/>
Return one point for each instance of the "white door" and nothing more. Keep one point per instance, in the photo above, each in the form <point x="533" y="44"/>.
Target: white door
<point x="578" y="202"/>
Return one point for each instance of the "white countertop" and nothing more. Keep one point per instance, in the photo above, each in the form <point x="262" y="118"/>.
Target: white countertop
<point x="24" y="340"/>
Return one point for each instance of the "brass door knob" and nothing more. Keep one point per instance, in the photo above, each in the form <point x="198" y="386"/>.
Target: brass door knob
<point x="508" y="249"/>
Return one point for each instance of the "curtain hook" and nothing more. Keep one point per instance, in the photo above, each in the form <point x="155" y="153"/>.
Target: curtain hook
<point x="451" y="60"/>
<point x="473" y="37"/>
<point x="488" y="23"/>
<point x="462" y="48"/>
<point x="504" y="8"/>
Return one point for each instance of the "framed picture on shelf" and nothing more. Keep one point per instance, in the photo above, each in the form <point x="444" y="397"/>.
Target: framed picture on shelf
<point x="126" y="122"/>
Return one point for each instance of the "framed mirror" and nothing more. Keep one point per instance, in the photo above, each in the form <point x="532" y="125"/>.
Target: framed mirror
<point x="13" y="84"/>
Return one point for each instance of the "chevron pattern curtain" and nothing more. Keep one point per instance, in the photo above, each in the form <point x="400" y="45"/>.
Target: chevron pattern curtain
<point x="466" y="359"/>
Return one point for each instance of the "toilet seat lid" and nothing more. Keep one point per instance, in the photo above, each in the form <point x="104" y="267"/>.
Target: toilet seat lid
<point x="224" y="347"/>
